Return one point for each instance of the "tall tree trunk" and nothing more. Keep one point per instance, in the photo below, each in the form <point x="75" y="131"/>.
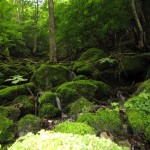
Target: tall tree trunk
<point x="141" y="44"/>
<point x="52" y="48"/>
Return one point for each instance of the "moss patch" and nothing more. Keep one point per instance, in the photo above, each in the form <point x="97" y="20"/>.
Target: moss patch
<point x="71" y="91"/>
<point x="10" y="93"/>
<point x="80" y="77"/>
<point x="92" y="54"/>
<point x="48" y="76"/>
<point x="75" y="128"/>
<point x="102" y="120"/>
<point x="48" y="111"/>
<point x="10" y="112"/>
<point x="29" y="123"/>
<point x="6" y="130"/>
<point x="80" y="105"/>
<point x="47" y="140"/>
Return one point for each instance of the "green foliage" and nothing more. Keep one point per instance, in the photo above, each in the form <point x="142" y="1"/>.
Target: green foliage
<point x="6" y="130"/>
<point x="80" y="77"/>
<point x="106" y="60"/>
<point x="140" y="102"/>
<point x="79" y="106"/>
<point x="48" y="98"/>
<point x="147" y="133"/>
<point x="74" y="128"/>
<point x="46" y="140"/>
<point x="48" y="111"/>
<point x="10" y="112"/>
<point x="102" y="120"/>
<point x="29" y="123"/>
<point x="16" y="79"/>
<point x="10" y="93"/>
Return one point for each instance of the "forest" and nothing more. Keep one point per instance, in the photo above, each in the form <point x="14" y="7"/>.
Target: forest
<point x="75" y="74"/>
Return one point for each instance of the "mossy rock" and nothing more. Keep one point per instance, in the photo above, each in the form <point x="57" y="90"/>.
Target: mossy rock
<point x="10" y="93"/>
<point x="137" y="120"/>
<point x="48" y="111"/>
<point x="29" y="123"/>
<point x="87" y="69"/>
<point x="71" y="91"/>
<point x="92" y="54"/>
<point x="74" y="128"/>
<point x="144" y="87"/>
<point x="7" y="133"/>
<point x="79" y="106"/>
<point x="102" y="120"/>
<point x="48" y="140"/>
<point x="48" y="76"/>
<point x="132" y="65"/>
<point x="10" y="112"/>
<point x="25" y="104"/>
<point x="80" y="77"/>
<point x="48" y="97"/>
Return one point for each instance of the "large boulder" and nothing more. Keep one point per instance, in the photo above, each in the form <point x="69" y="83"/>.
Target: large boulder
<point x="10" y="93"/>
<point x="48" y="76"/>
<point x="71" y="91"/>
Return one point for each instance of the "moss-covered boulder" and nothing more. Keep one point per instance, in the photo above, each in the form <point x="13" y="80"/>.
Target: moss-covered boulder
<point x="80" y="77"/>
<point x="137" y="120"/>
<point x="48" y="76"/>
<point x="7" y="132"/>
<point x="10" y="112"/>
<point x="47" y="140"/>
<point x="132" y="65"/>
<point x="71" y="91"/>
<point x="74" y="128"/>
<point x="102" y="120"/>
<point x="87" y="69"/>
<point x="92" y="54"/>
<point x="79" y="106"/>
<point x="29" y="123"/>
<point x="48" y="111"/>
<point x="48" y="97"/>
<point x="25" y="103"/>
<point x="10" y="93"/>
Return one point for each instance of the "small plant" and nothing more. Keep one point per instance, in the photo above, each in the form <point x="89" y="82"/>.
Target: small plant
<point x="107" y="59"/>
<point x="16" y="79"/>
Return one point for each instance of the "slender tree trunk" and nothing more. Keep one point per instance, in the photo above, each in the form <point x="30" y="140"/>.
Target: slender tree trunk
<point x="52" y="48"/>
<point x="141" y="44"/>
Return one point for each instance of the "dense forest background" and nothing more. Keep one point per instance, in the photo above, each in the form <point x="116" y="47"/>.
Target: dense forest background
<point x="79" y="69"/>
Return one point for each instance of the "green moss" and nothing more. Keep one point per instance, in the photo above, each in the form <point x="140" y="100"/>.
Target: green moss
<point x="71" y="91"/>
<point x="137" y="120"/>
<point x="132" y="65"/>
<point x="47" y="140"/>
<point x="48" y="76"/>
<point x="80" y="105"/>
<point x="10" y="93"/>
<point x="102" y="120"/>
<point x="74" y="128"/>
<point x="6" y="130"/>
<point x="80" y="77"/>
<point x="92" y="54"/>
<point x="29" y="123"/>
<point x="48" y="98"/>
<point x="25" y="103"/>
<point x="144" y="87"/>
<point x="10" y="112"/>
<point x="48" y="111"/>
<point x="147" y="133"/>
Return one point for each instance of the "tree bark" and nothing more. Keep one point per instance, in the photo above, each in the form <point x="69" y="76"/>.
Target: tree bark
<point x="141" y="44"/>
<point x="52" y="47"/>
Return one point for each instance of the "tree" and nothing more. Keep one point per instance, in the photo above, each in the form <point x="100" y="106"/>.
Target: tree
<point x="52" y="57"/>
